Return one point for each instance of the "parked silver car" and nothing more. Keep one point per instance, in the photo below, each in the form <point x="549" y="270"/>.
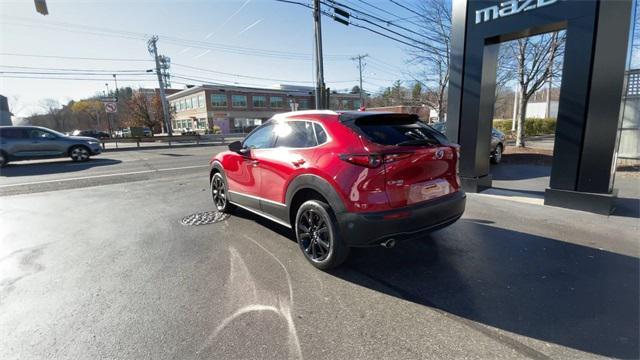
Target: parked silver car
<point x="34" y="142"/>
<point x="496" y="147"/>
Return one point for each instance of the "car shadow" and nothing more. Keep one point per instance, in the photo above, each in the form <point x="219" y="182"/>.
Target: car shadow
<point x="567" y="294"/>
<point x="52" y="167"/>
<point x="550" y="290"/>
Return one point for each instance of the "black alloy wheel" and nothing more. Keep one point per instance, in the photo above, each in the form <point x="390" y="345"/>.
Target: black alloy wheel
<point x="315" y="229"/>
<point x="219" y="193"/>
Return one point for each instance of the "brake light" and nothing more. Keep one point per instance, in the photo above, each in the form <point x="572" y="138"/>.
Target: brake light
<point x="370" y="160"/>
<point x="374" y="160"/>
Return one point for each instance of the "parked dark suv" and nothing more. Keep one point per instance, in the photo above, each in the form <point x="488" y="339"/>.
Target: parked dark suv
<point x="342" y="180"/>
<point x="34" y="142"/>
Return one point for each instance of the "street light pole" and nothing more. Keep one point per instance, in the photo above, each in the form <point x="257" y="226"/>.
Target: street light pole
<point x="320" y="86"/>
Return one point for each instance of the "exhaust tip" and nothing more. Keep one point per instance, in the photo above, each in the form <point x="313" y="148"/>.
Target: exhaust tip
<point x="388" y="244"/>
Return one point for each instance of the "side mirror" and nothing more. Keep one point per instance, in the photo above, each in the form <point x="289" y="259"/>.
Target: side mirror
<point x="236" y="146"/>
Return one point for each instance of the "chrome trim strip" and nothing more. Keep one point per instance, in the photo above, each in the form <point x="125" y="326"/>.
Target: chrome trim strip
<point x="264" y="215"/>
<point x="258" y="198"/>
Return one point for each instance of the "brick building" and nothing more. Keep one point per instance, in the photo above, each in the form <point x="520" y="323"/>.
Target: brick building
<point x="235" y="109"/>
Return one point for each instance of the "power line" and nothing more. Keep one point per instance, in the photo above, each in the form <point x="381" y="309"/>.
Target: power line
<point x="251" y="77"/>
<point x="70" y="73"/>
<point x="336" y="3"/>
<point x="69" y="78"/>
<point x="406" y="7"/>
<point x="72" y="57"/>
<point x="86" y="70"/>
<point x="357" y="25"/>
<point x="171" y="39"/>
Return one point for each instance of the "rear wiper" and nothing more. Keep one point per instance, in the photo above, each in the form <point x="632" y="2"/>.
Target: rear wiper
<point x="418" y="142"/>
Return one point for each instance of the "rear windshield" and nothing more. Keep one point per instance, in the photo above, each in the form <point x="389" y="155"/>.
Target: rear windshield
<point x="394" y="130"/>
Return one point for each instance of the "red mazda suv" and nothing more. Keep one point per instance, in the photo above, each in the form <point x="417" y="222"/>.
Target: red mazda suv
<point x="342" y="179"/>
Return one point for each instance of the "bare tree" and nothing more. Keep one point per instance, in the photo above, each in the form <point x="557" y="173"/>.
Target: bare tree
<point x="141" y="112"/>
<point x="432" y="52"/>
<point x="535" y="62"/>
<point x="53" y="110"/>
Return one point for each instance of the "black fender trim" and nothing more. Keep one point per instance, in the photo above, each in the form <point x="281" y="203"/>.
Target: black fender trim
<point x="216" y="165"/>
<point x="315" y="182"/>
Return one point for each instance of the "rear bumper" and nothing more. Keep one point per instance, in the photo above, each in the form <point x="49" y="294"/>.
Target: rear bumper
<point x="370" y="229"/>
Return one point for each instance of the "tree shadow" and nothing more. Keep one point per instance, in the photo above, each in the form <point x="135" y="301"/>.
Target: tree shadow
<point x="542" y="288"/>
<point x="57" y="167"/>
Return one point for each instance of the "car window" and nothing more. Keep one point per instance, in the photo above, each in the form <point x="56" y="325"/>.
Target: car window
<point x="261" y="138"/>
<point x="40" y="134"/>
<point x="295" y="134"/>
<point x="393" y="130"/>
<point x="12" y="133"/>
<point x="321" y="135"/>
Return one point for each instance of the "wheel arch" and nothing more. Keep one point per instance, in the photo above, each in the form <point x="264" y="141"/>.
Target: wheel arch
<point x="309" y="186"/>
<point x="75" y="146"/>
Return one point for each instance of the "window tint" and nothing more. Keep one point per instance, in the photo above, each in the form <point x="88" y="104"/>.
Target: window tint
<point x="395" y="130"/>
<point x="295" y="134"/>
<point x="321" y="135"/>
<point x="9" y="133"/>
<point x="40" y="134"/>
<point x="261" y="138"/>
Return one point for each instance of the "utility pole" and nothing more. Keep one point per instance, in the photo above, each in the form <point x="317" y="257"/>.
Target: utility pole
<point x="153" y="50"/>
<point x="359" y="58"/>
<point x="320" y="86"/>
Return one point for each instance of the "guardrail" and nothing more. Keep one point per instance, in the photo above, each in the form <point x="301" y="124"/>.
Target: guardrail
<point x="171" y="140"/>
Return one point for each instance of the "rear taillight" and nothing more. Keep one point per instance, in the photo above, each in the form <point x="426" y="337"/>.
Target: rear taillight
<point x="374" y="160"/>
<point x="368" y="160"/>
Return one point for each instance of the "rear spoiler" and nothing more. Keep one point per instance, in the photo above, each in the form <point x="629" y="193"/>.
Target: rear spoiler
<point x="351" y="117"/>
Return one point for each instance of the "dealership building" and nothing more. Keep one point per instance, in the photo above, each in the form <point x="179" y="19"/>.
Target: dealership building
<point x="236" y="109"/>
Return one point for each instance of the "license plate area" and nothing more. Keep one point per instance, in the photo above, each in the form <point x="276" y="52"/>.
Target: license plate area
<point x="428" y="190"/>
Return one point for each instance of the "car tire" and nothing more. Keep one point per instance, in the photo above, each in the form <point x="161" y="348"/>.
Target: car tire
<point x="79" y="153"/>
<point x="317" y="234"/>
<point x="220" y="193"/>
<point x="496" y="158"/>
<point x="4" y="160"/>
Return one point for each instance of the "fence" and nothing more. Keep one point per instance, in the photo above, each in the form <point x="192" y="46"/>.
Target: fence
<point x="629" y="126"/>
<point x="170" y="141"/>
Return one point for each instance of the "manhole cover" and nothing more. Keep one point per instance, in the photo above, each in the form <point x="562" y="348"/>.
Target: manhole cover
<point x="204" y="218"/>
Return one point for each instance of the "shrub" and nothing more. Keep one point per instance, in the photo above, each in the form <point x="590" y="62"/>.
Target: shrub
<point x="532" y="126"/>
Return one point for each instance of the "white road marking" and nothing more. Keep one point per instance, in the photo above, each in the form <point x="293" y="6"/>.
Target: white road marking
<point x="104" y="175"/>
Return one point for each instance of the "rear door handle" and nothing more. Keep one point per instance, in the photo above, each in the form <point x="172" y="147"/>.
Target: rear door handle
<point x="255" y="162"/>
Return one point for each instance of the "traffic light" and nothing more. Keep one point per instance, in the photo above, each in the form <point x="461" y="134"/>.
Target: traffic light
<point x="41" y="7"/>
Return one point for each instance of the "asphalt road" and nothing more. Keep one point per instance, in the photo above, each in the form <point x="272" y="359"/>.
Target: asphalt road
<point x="94" y="263"/>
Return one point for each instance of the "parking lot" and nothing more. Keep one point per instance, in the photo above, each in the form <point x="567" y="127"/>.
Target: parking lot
<point x="94" y="263"/>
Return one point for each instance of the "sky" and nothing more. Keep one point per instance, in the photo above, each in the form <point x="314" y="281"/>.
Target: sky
<point x="118" y="29"/>
<point x="252" y="38"/>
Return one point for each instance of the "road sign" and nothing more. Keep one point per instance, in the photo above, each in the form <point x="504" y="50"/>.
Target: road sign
<point x="111" y="107"/>
<point x="108" y="99"/>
